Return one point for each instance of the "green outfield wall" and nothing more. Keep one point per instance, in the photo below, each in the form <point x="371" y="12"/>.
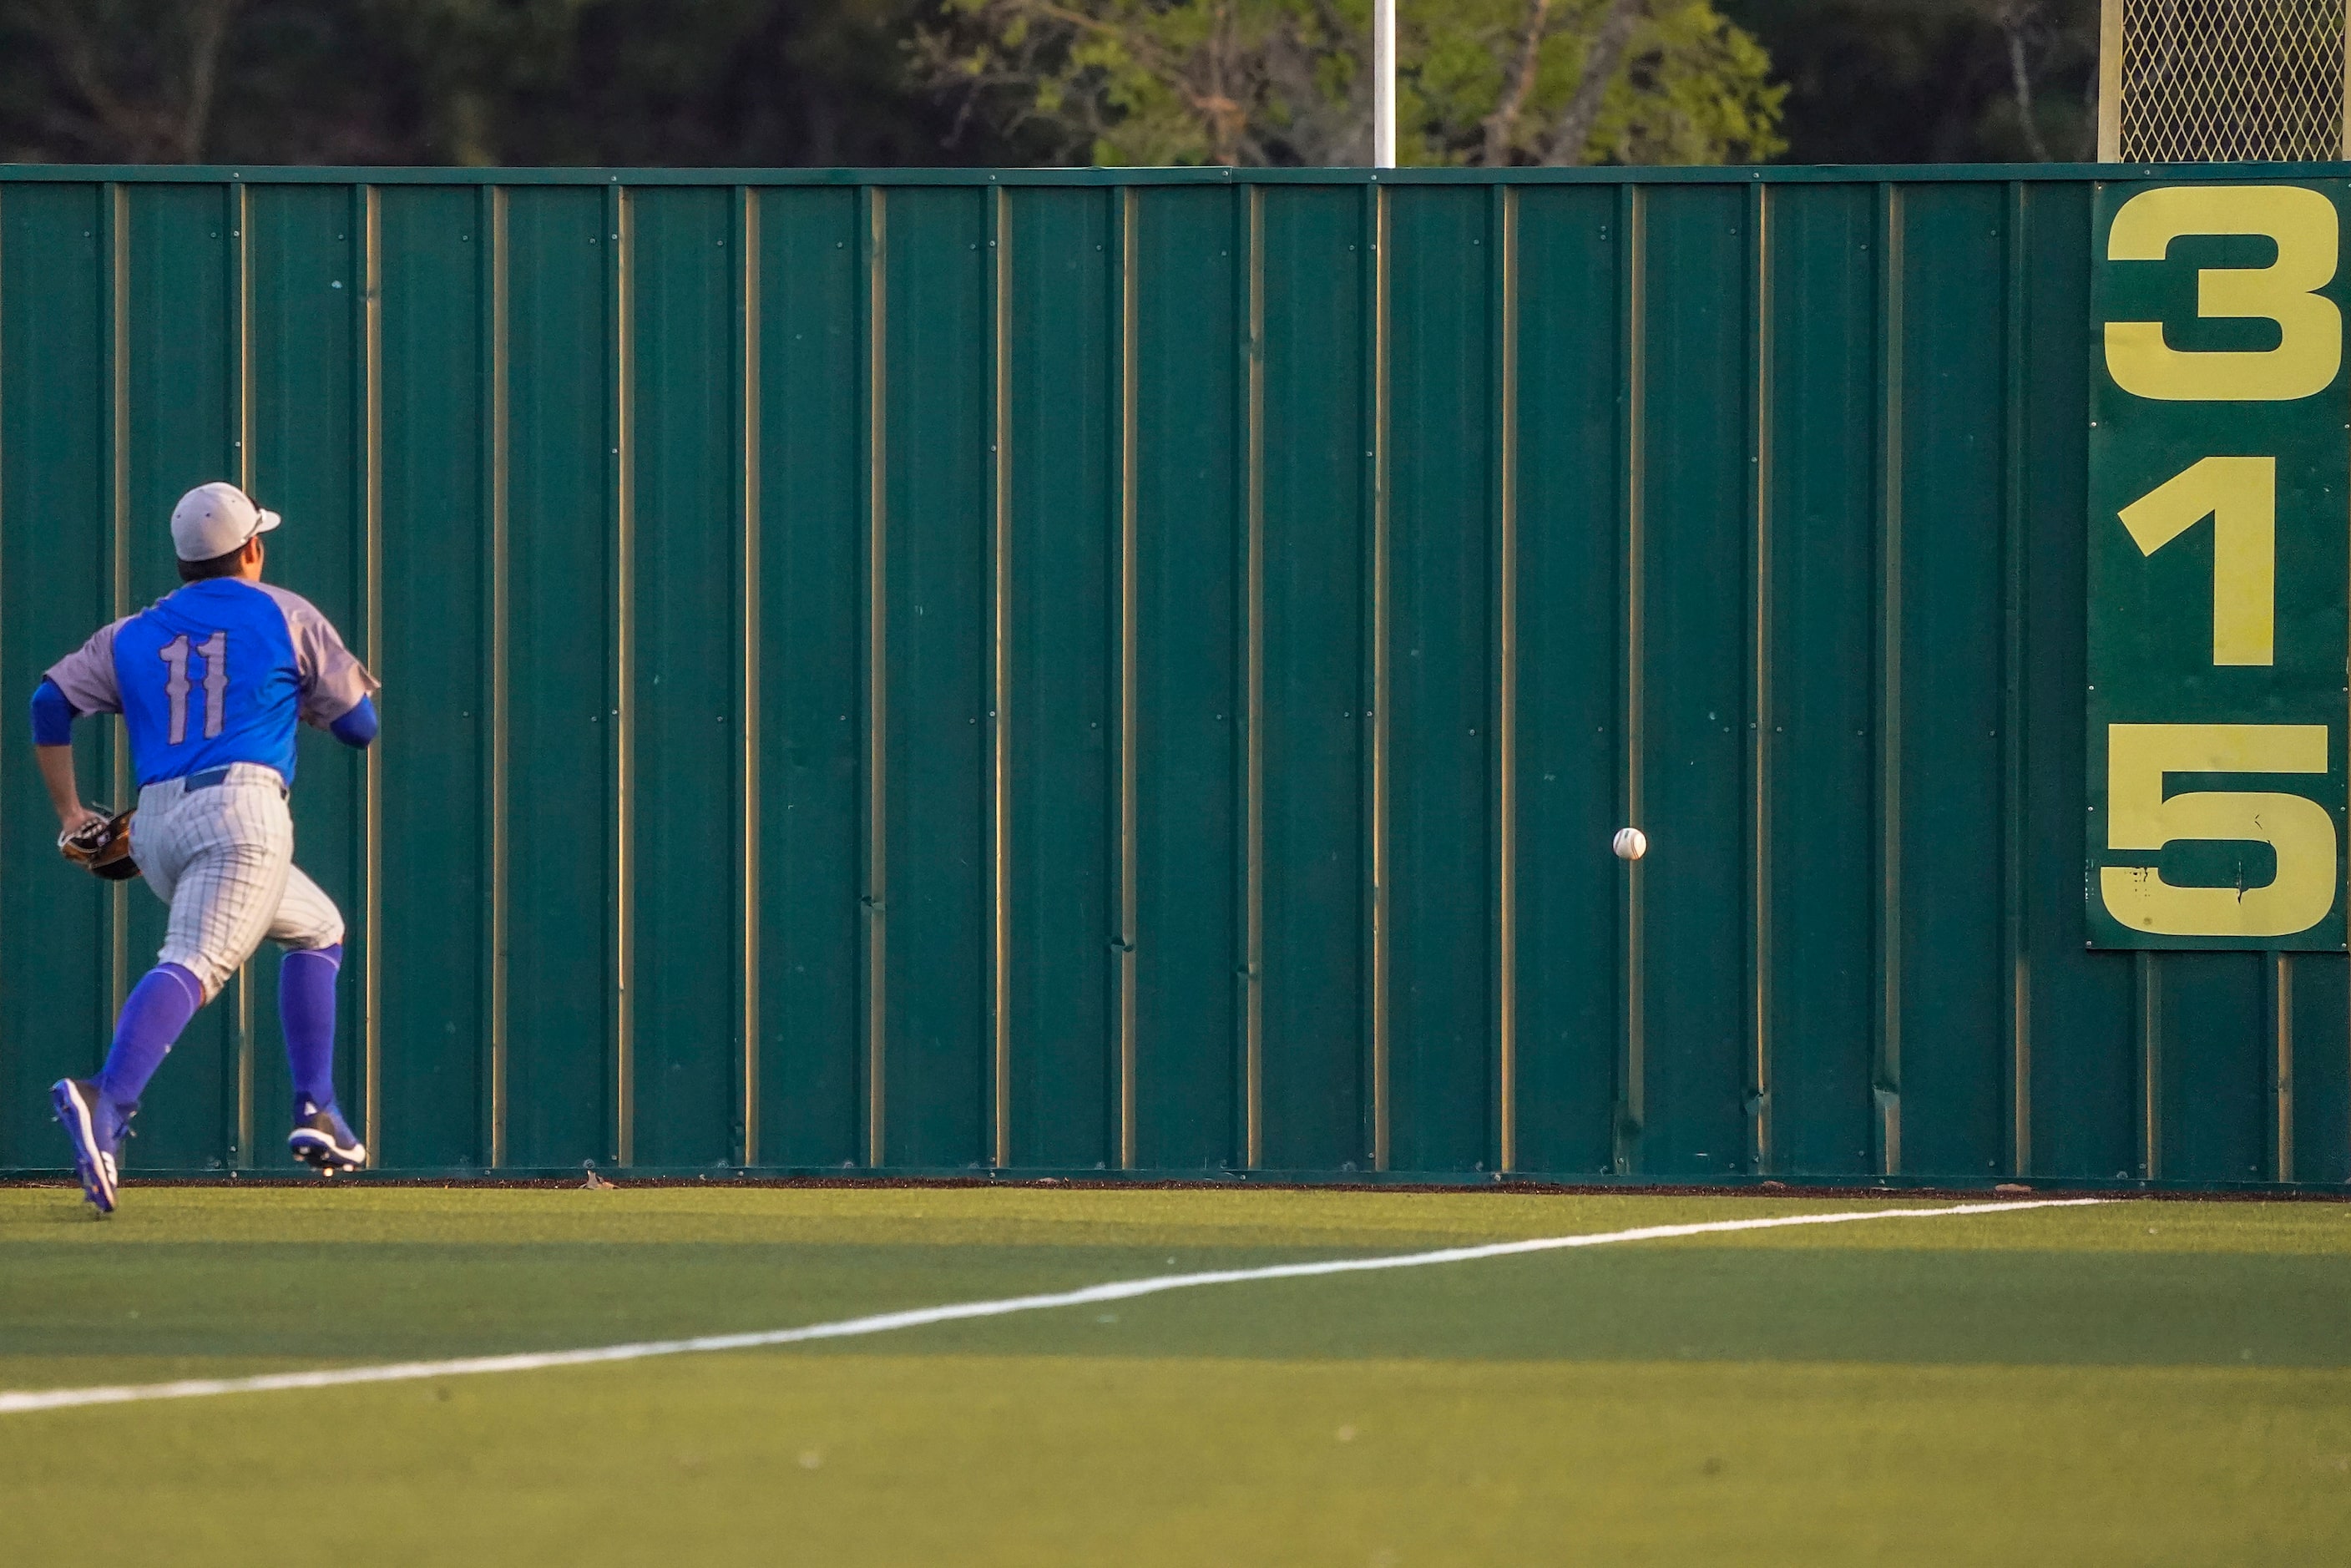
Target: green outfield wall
<point x="1105" y="670"/>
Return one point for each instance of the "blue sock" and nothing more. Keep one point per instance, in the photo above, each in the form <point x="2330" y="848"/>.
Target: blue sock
<point x="306" y="1009"/>
<point x="157" y="1009"/>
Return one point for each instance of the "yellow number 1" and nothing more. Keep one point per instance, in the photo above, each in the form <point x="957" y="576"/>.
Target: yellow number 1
<point x="2240" y="495"/>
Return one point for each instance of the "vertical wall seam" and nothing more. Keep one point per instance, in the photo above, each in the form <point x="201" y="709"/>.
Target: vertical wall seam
<point x="6" y="459"/>
<point x="114" y="215"/>
<point x="2013" y="818"/>
<point x="240" y="368"/>
<point x="1890" y="370"/>
<point x="749" y="417"/>
<point x="240" y="328"/>
<point x="368" y="222"/>
<point x="1504" y="239"/>
<point x="499" y="673"/>
<point x="1126" y="207"/>
<point x="2149" y="977"/>
<point x="2281" y="977"/>
<point x="877" y="647"/>
<point x="1761" y="957"/>
<point x="1253" y="679"/>
<point x="1382" y="906"/>
<point x="1632" y="1065"/>
<point x="621" y="369"/>
<point x="999" y="529"/>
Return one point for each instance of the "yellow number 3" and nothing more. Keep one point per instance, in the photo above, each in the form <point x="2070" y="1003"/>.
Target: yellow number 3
<point x="2310" y="348"/>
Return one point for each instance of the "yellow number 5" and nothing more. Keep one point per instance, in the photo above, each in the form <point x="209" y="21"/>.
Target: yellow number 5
<point x="2138" y="818"/>
<point x="2310" y="349"/>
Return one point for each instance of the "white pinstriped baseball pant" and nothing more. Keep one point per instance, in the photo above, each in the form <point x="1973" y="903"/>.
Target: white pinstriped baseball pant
<point x="222" y="858"/>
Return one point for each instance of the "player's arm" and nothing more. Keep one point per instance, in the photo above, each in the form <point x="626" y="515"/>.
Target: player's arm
<point x="52" y="718"/>
<point x="356" y="728"/>
<point x="337" y="693"/>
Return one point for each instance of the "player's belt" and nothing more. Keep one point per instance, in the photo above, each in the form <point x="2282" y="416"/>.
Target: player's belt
<point x="212" y="777"/>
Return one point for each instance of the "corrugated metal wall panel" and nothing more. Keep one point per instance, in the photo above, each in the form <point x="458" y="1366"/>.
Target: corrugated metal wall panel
<point x="2076" y="1011"/>
<point x="302" y="306"/>
<point x="1188" y="541"/>
<point x="686" y="675"/>
<point x="1442" y="790"/>
<point x="937" y="322"/>
<point x="1318" y="452"/>
<point x="1688" y="725"/>
<point x="2317" y="1122"/>
<point x="1943" y="528"/>
<point x="1054" y="654"/>
<point x="180" y="363"/>
<point x="1818" y="720"/>
<point x="561" y="709"/>
<point x="810" y="668"/>
<point x="59" y="979"/>
<point x="432" y="581"/>
<point x="1139" y="671"/>
<point x="1574" y="439"/>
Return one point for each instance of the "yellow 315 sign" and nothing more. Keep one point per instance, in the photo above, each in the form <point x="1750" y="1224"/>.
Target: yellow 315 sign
<point x="2216" y="655"/>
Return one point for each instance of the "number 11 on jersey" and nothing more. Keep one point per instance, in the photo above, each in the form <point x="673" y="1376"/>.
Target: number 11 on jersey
<point x="213" y="652"/>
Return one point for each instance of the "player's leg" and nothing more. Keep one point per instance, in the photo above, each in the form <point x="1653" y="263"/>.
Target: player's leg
<point x="95" y="1112"/>
<point x="310" y="928"/>
<point x="232" y="874"/>
<point x="161" y="1004"/>
<point x="220" y="857"/>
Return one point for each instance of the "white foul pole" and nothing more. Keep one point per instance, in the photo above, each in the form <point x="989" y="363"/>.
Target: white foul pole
<point x="1383" y="84"/>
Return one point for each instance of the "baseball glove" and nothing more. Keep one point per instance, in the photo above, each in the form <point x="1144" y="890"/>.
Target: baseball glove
<point x="102" y="847"/>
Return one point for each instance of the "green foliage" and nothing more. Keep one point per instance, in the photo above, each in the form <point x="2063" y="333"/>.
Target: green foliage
<point x="1700" y="92"/>
<point x="750" y="82"/>
<point x="1283" y="81"/>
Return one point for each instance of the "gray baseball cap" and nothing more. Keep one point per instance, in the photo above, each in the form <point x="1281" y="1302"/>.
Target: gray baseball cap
<point x="215" y="518"/>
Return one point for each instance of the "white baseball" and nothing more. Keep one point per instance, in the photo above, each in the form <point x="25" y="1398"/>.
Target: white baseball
<point x="1631" y="843"/>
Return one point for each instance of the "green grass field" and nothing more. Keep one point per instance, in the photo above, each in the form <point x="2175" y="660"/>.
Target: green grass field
<point x="2133" y="1383"/>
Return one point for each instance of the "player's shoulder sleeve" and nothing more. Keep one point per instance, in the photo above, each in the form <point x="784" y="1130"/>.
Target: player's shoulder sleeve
<point x="333" y="680"/>
<point x="87" y="675"/>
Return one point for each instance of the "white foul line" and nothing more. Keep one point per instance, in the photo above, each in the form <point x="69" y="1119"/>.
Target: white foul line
<point x="920" y="1317"/>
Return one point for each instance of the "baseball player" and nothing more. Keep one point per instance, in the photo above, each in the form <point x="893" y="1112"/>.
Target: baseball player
<point x="210" y="679"/>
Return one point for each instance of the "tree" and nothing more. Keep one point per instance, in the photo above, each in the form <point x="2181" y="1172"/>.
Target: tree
<point x="1285" y="81"/>
<point x="734" y="82"/>
<point x="133" y="80"/>
<point x="1903" y="81"/>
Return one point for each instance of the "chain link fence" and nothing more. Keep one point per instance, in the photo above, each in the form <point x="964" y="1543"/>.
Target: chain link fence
<point x="2201" y="81"/>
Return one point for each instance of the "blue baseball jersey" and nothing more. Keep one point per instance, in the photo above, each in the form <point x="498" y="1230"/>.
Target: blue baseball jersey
<point x="219" y="672"/>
